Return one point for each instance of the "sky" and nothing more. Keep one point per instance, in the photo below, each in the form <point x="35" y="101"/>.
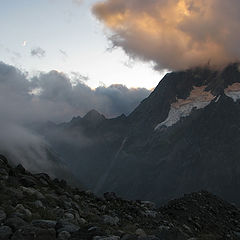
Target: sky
<point x="64" y="35"/>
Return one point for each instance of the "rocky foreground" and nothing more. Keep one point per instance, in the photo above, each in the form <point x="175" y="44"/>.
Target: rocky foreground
<point x="34" y="206"/>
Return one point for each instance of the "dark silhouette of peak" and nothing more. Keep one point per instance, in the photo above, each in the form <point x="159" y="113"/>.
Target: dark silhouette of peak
<point x="94" y="116"/>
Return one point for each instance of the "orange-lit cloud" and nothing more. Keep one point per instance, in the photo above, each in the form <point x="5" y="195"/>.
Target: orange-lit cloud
<point x="175" y="34"/>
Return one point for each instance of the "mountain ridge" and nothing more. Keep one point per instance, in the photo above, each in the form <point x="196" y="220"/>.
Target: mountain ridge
<point x="160" y="161"/>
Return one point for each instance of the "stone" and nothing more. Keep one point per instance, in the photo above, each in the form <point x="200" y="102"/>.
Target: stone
<point x="106" y="238"/>
<point x="28" y="181"/>
<point x="5" y="232"/>
<point x="110" y="220"/>
<point x="109" y="196"/>
<point x="82" y="221"/>
<point x="38" y="204"/>
<point x="15" y="193"/>
<point x="140" y="232"/>
<point x="77" y="197"/>
<point x="3" y="174"/>
<point x="149" y="238"/>
<point x="19" y="168"/>
<point x="15" y="223"/>
<point x="149" y="213"/>
<point x="63" y="225"/>
<point x="3" y="159"/>
<point x="32" y="191"/>
<point x="32" y="233"/>
<point x="68" y="216"/>
<point x="2" y="215"/>
<point x="46" y="224"/>
<point x="148" y="204"/>
<point x="64" y="235"/>
<point x="22" y="212"/>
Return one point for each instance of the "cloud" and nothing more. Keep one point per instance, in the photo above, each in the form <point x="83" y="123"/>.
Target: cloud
<point x="63" y="53"/>
<point x="54" y="96"/>
<point x="77" y="1"/>
<point x="51" y="96"/>
<point x="174" y="34"/>
<point x="78" y="99"/>
<point x="38" y="52"/>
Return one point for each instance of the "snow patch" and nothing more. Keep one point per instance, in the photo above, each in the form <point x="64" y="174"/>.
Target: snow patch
<point x="233" y="91"/>
<point x="183" y="107"/>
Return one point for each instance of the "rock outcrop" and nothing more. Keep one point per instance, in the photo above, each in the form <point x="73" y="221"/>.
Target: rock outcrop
<point x="36" y="207"/>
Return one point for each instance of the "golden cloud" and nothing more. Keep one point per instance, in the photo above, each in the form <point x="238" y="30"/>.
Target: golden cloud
<point x="174" y="34"/>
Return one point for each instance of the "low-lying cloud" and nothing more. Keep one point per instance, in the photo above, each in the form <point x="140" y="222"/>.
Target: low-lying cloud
<point x="51" y="96"/>
<point x="174" y="34"/>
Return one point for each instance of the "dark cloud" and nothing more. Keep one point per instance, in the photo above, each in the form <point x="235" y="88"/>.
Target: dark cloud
<point x="50" y="96"/>
<point x="174" y="34"/>
<point x="78" y="1"/>
<point x="78" y="99"/>
<point x="54" y="96"/>
<point x="38" y="52"/>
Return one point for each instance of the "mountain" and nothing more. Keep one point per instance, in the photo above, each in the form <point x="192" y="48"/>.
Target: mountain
<point x="34" y="206"/>
<point x="184" y="137"/>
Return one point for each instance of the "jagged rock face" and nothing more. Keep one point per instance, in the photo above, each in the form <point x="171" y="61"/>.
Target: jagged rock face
<point x="87" y="144"/>
<point x="36" y="207"/>
<point x="184" y="137"/>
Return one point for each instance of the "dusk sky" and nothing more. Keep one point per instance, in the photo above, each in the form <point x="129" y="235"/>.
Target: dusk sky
<point x="64" y="35"/>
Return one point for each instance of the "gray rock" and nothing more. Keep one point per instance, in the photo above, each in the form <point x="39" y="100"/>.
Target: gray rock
<point x="128" y="237"/>
<point x="148" y="204"/>
<point x="16" y="193"/>
<point x="46" y="224"/>
<point x="81" y="221"/>
<point x="64" y="235"/>
<point x="5" y="232"/>
<point x="2" y="215"/>
<point x="59" y="212"/>
<point x="110" y="220"/>
<point x="149" y="238"/>
<point x="15" y="223"/>
<point x="38" y="204"/>
<point x="63" y="225"/>
<point x="171" y="233"/>
<point x="28" y="181"/>
<point x="32" y="233"/>
<point x="32" y="191"/>
<point x="140" y="232"/>
<point x="3" y="174"/>
<point x="106" y="238"/>
<point x="22" y="212"/>
<point x="150" y="213"/>
<point x="77" y="197"/>
<point x="69" y="216"/>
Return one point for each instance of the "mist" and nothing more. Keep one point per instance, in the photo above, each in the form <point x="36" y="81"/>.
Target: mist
<point x="174" y="34"/>
<point x="53" y="97"/>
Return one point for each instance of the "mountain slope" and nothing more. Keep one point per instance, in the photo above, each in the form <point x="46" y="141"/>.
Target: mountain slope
<point x="182" y="138"/>
<point x="194" y="144"/>
<point x="37" y="207"/>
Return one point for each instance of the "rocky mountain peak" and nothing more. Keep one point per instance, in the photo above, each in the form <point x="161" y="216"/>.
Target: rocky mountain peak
<point x="94" y="116"/>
